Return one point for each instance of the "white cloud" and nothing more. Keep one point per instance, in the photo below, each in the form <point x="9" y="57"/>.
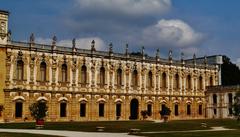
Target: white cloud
<point x="83" y="43"/>
<point x="129" y="7"/>
<point x="175" y="33"/>
<point x="238" y="62"/>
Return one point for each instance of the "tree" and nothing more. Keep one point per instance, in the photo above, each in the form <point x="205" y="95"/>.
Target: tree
<point x="1" y="109"/>
<point x="145" y="114"/>
<point x="165" y="112"/>
<point x="236" y="106"/>
<point x="38" y="110"/>
<point x="230" y="72"/>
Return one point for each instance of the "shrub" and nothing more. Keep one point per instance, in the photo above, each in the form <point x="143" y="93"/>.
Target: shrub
<point x="38" y="110"/>
<point x="165" y="111"/>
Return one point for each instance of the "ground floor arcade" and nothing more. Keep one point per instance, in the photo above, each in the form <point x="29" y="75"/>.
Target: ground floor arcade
<point x="100" y="106"/>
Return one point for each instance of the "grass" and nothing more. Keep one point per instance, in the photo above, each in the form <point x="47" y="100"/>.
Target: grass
<point x="4" y="134"/>
<point x="234" y="133"/>
<point x="144" y="126"/>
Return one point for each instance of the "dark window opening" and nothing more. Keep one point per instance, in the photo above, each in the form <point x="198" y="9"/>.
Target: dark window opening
<point x="101" y="110"/>
<point x="215" y="111"/>
<point x="18" y="109"/>
<point x="149" y="109"/>
<point x="83" y="110"/>
<point x="118" y="110"/>
<point x="230" y="98"/>
<point x="200" y="109"/>
<point x="214" y="99"/>
<point x="176" y="110"/>
<point x="188" y="109"/>
<point x="63" y="109"/>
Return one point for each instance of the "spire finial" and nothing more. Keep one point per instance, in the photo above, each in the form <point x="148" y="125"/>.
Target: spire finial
<point x="54" y="41"/>
<point x="170" y="55"/>
<point x="157" y="55"/>
<point x="194" y="59"/>
<point x="74" y="43"/>
<point x="182" y="58"/>
<point x="126" y="50"/>
<point x="32" y="38"/>
<point x="205" y="60"/>
<point x="93" y="46"/>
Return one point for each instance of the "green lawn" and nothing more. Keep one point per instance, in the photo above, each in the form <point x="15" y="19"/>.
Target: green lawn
<point x="144" y="126"/>
<point x="234" y="133"/>
<point x="3" y="134"/>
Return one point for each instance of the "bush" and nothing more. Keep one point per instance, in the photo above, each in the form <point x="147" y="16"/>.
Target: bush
<point x="165" y="111"/>
<point x="145" y="114"/>
<point x="38" y="110"/>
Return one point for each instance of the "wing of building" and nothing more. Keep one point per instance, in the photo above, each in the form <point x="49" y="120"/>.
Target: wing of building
<point x="80" y="84"/>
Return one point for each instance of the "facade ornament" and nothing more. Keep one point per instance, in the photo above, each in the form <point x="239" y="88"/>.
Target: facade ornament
<point x="170" y="56"/>
<point x="194" y="59"/>
<point x="54" y="41"/>
<point x="110" y="49"/>
<point x="158" y="55"/>
<point x="93" y="46"/>
<point x="126" y="51"/>
<point x="32" y="38"/>
<point x="182" y="58"/>
<point x="205" y="60"/>
<point x="74" y="45"/>
<point x="143" y="52"/>
<point x="43" y="57"/>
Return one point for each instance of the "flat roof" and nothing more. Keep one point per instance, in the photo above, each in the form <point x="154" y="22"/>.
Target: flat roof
<point x="4" y="12"/>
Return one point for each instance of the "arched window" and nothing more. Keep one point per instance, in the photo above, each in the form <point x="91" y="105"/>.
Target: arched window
<point x="119" y="77"/>
<point x="18" y="109"/>
<point x="118" y="110"/>
<point x="200" y="109"/>
<point x="43" y="69"/>
<point x="188" y="82"/>
<point x="102" y="76"/>
<point x="188" y="109"/>
<point x="63" y="109"/>
<point x="176" y="81"/>
<point x="83" y="109"/>
<point x="211" y="81"/>
<point x="149" y="109"/>
<point x="176" y="113"/>
<point x="135" y="79"/>
<point x="214" y="99"/>
<point x="200" y="83"/>
<point x="150" y="80"/>
<point x="101" y="109"/>
<point x="164" y="80"/>
<point x="230" y="102"/>
<point x="64" y="73"/>
<point x="84" y="75"/>
<point x="20" y="71"/>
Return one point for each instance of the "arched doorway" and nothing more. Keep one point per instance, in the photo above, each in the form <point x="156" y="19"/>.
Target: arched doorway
<point x="133" y="109"/>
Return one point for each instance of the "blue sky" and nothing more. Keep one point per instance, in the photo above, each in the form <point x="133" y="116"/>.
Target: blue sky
<point x="204" y="27"/>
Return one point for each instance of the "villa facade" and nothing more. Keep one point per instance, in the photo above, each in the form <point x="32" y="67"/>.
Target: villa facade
<point x="80" y="84"/>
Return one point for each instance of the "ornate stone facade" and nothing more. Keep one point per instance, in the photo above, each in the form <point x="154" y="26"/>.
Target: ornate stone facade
<point x="220" y="100"/>
<point x="80" y="84"/>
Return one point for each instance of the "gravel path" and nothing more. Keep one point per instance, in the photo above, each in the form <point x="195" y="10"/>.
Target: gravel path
<point x="67" y="133"/>
<point x="97" y="134"/>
